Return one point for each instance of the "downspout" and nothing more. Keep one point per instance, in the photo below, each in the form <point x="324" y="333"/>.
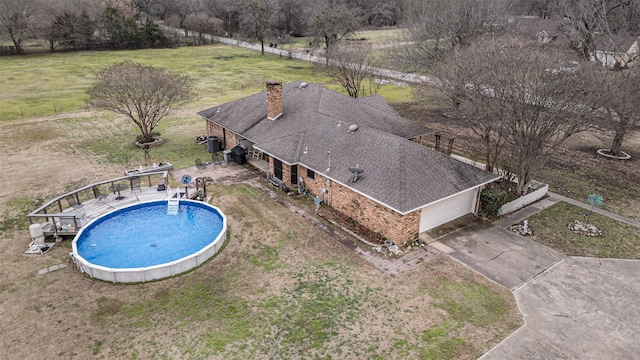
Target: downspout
<point x="224" y="138"/>
<point x="477" y="199"/>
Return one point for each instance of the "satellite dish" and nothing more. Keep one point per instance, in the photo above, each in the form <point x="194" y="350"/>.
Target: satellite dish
<point x="185" y="179"/>
<point x="356" y="171"/>
<point x="303" y="85"/>
<point x="352" y="128"/>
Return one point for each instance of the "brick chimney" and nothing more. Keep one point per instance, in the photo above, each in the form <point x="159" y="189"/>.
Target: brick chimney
<point x="274" y="99"/>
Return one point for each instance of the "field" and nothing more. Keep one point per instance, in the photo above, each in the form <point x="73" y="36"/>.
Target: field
<point x="232" y="306"/>
<point x="45" y="85"/>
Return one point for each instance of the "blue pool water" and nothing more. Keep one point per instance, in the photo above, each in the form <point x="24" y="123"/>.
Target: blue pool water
<point x="144" y="235"/>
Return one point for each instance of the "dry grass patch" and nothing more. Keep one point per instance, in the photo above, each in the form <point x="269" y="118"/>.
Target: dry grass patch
<point x="232" y="306"/>
<point x="619" y="240"/>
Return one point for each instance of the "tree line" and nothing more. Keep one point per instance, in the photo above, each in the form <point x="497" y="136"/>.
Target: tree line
<point x="79" y="24"/>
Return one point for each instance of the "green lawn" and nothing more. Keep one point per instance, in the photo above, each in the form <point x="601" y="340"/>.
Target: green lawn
<point x="619" y="240"/>
<point x="49" y="84"/>
<point x="33" y="86"/>
<point x="374" y="37"/>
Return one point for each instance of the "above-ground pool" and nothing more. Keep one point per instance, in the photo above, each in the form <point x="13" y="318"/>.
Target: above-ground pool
<point x="142" y="242"/>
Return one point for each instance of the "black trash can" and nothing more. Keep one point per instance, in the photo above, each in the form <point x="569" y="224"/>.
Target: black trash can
<point x="213" y="144"/>
<point x="238" y="155"/>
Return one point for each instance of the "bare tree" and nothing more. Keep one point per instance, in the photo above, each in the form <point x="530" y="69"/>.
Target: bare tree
<point x="290" y="17"/>
<point x="142" y="93"/>
<point x="16" y="21"/>
<point x="587" y="20"/>
<point x="44" y="22"/>
<point x="176" y="12"/>
<point x="435" y="27"/>
<point x="615" y="94"/>
<point x="383" y="13"/>
<point x="542" y="8"/>
<point x="483" y="111"/>
<point x="522" y="96"/>
<point x="256" y="20"/>
<point x="227" y="10"/>
<point x="330" y="23"/>
<point x="351" y="67"/>
<point x="203" y="23"/>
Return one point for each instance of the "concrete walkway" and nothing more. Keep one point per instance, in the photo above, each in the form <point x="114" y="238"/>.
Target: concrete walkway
<point x="553" y="199"/>
<point x="573" y="307"/>
<point x="581" y="308"/>
<point x="558" y="197"/>
<point x="499" y="254"/>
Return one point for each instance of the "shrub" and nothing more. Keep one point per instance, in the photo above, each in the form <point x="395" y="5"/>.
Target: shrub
<point x="491" y="199"/>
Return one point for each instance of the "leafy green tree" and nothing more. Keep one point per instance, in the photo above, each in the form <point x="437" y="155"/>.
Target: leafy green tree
<point x="116" y="30"/>
<point x="150" y="36"/>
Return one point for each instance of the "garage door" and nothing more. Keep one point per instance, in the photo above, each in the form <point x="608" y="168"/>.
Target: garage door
<point x="447" y="210"/>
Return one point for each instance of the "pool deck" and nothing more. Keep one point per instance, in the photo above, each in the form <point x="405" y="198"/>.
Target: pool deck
<point x="93" y="208"/>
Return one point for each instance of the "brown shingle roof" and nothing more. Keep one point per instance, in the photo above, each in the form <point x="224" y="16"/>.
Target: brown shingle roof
<point x="241" y="115"/>
<point x="399" y="173"/>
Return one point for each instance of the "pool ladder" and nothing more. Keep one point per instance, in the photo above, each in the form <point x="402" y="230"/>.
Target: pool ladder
<point x="172" y="206"/>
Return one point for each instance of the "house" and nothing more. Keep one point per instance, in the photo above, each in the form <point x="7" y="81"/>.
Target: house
<point x="547" y="32"/>
<point x="615" y="57"/>
<point x="315" y="136"/>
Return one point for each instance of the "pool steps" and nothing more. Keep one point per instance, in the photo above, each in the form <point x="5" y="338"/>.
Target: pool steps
<point x="172" y="206"/>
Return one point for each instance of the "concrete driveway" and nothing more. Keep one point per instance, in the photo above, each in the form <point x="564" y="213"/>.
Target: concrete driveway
<point x="499" y="254"/>
<point x="581" y="308"/>
<point x="573" y="307"/>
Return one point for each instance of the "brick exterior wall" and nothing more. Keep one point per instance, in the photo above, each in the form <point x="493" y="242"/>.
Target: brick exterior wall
<point x="286" y="174"/>
<point x="274" y="100"/>
<point x="230" y="138"/>
<point x="398" y="228"/>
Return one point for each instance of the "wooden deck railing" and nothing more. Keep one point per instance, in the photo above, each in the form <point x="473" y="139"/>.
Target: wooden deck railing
<point x="89" y="192"/>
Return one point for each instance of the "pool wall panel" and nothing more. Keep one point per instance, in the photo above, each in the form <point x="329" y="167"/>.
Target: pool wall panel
<point x="156" y="272"/>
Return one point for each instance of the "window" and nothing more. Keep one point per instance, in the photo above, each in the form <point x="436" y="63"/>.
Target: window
<point x="277" y="168"/>
<point x="294" y="174"/>
<point x="311" y="174"/>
